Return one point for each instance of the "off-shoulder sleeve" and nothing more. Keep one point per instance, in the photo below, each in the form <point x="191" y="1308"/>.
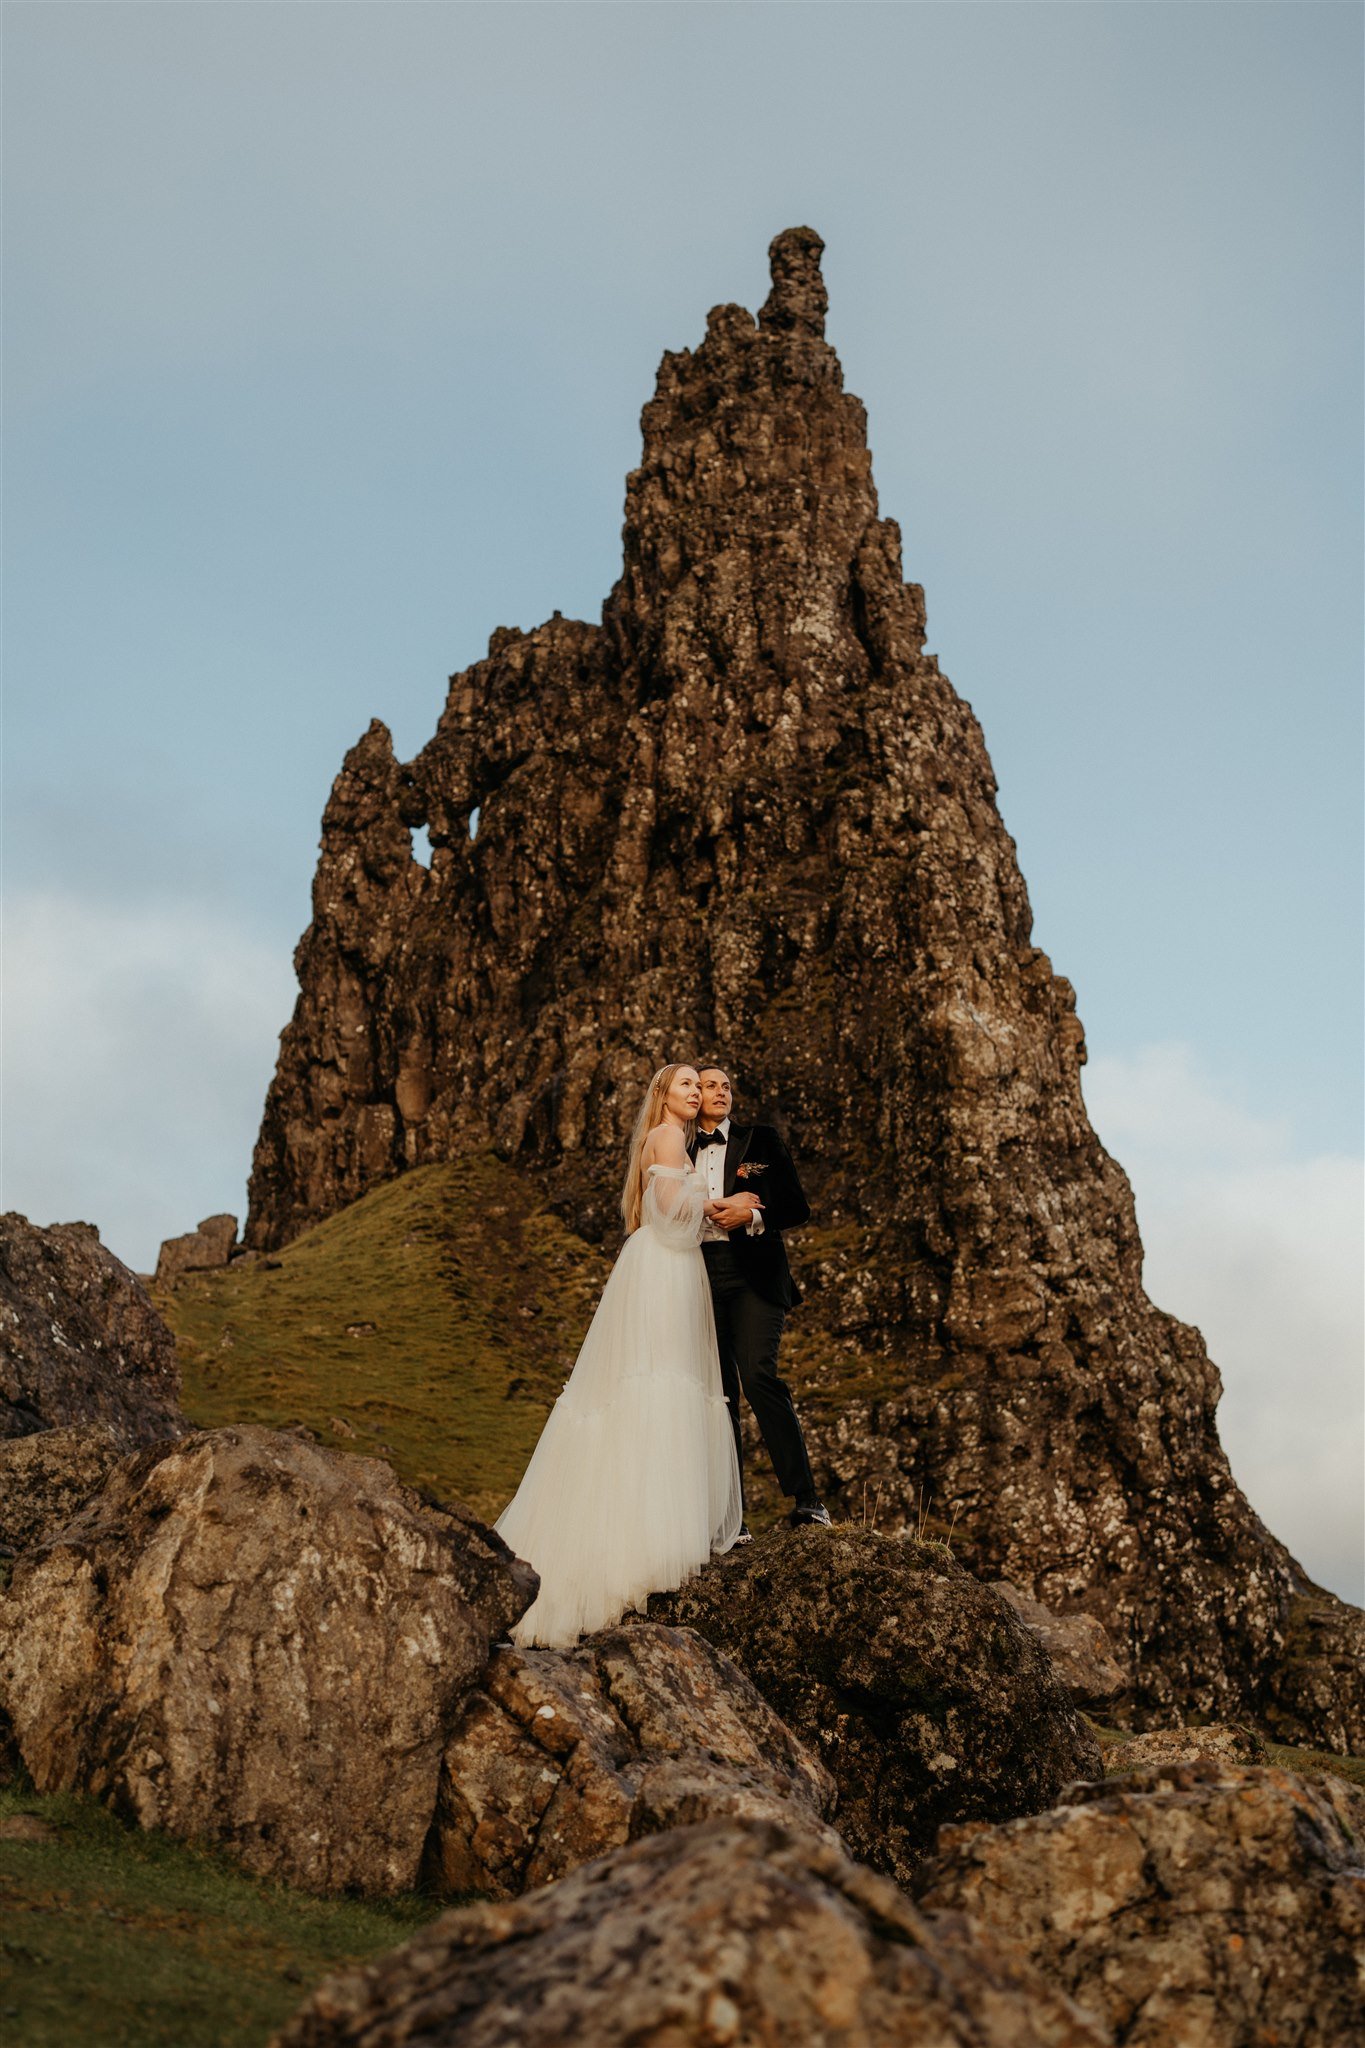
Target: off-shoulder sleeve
<point x="672" y="1205"/>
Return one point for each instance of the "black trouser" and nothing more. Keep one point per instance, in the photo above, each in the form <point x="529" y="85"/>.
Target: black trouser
<point x="748" y="1332"/>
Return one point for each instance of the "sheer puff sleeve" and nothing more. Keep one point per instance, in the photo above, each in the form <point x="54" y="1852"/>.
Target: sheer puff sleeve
<point x="672" y="1206"/>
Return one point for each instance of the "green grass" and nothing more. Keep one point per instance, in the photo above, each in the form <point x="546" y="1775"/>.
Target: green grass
<point x="132" y="1940"/>
<point x="432" y="1323"/>
<point x="1311" y="1761"/>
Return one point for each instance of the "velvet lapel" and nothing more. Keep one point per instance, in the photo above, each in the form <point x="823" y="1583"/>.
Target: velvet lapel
<point x="735" y="1151"/>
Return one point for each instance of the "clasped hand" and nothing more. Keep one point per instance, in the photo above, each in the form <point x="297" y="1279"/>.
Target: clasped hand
<point x="734" y="1211"/>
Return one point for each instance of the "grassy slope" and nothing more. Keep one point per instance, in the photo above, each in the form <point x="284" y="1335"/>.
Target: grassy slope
<point x="165" y="1943"/>
<point x="432" y="1322"/>
<point x="437" y="1319"/>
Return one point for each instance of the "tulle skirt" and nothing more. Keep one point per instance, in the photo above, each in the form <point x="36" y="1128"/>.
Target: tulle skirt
<point x="634" y="1483"/>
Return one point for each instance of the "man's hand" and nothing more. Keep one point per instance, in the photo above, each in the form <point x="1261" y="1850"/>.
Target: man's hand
<point x="734" y="1212"/>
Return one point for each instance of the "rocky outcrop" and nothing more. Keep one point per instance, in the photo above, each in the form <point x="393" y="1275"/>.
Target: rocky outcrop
<point x="747" y="817"/>
<point x="1205" y="1903"/>
<point x="728" y="1933"/>
<point x="250" y="1640"/>
<point x="1217" y="1743"/>
<point x="46" y="1478"/>
<point x="1312" y="1692"/>
<point x="918" y="1686"/>
<point x="1079" y="1646"/>
<point x="210" y="1245"/>
<point x="80" y="1341"/>
<point x="560" y="1756"/>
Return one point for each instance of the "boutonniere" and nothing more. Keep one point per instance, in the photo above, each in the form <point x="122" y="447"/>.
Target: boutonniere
<point x="750" y="1168"/>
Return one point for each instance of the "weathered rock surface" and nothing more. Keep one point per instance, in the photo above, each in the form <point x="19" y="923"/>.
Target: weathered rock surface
<point x="247" y="1639"/>
<point x="1218" y="1743"/>
<point x="1207" y="1904"/>
<point x="732" y="1932"/>
<point x="46" y="1478"/>
<point x="746" y="816"/>
<point x="919" y="1687"/>
<point x="210" y="1245"/>
<point x="1079" y="1646"/>
<point x="80" y="1341"/>
<point x="560" y="1756"/>
<point x="1314" y="1689"/>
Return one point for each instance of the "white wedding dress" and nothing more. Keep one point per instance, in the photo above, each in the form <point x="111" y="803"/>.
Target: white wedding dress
<point x="634" y="1482"/>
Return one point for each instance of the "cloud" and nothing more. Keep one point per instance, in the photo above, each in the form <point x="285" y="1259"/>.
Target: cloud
<point x="1263" y="1252"/>
<point x="139" y="1040"/>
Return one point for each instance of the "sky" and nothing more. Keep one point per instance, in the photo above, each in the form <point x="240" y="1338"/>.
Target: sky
<point x="326" y="330"/>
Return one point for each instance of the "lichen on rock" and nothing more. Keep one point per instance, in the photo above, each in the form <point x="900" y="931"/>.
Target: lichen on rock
<point x="246" y="1639"/>
<point x="562" y="1755"/>
<point x="1204" y="1902"/>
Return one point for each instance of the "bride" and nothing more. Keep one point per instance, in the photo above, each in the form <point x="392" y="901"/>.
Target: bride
<point x="634" y="1482"/>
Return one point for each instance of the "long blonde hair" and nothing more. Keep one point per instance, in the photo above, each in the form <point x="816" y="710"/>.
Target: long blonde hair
<point x="651" y="1115"/>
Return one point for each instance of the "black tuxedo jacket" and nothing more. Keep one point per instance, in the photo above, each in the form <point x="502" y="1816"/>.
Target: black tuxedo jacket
<point x="758" y="1163"/>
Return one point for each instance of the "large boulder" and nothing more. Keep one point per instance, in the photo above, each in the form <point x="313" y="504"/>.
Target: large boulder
<point x="561" y="1755"/>
<point x="210" y="1245"/>
<point x="730" y="1932"/>
<point x="80" y="1341"/>
<point x="247" y="1639"/>
<point x="1208" y="1903"/>
<point x="919" y="1686"/>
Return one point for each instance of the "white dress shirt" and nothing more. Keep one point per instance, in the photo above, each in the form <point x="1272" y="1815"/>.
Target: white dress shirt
<point x="711" y="1166"/>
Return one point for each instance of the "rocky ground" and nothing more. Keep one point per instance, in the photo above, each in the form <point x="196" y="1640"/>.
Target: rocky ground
<point x="835" y="1790"/>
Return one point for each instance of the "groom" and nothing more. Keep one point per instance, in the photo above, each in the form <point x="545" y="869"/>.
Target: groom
<point x="749" y="1172"/>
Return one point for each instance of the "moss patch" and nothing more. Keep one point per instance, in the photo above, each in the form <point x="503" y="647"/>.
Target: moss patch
<point x="165" y="1943"/>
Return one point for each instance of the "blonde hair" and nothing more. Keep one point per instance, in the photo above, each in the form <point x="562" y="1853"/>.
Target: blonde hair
<point x="650" y="1117"/>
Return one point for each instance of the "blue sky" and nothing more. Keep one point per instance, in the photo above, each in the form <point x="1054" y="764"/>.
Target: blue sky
<point x="326" y="333"/>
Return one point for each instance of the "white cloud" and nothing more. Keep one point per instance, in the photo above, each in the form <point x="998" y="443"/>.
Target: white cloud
<point x="139" y="1041"/>
<point x="1263" y="1252"/>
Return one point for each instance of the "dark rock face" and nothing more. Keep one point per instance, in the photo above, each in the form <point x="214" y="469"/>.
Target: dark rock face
<point x="729" y="1933"/>
<point x="80" y="1341"/>
<point x="1205" y="1903"/>
<point x="247" y="1639"/>
<point x="918" y="1686"/>
<point x="560" y="1756"/>
<point x="1315" y="1692"/>
<point x="747" y="817"/>
<point x="211" y="1244"/>
<point x="47" y="1478"/>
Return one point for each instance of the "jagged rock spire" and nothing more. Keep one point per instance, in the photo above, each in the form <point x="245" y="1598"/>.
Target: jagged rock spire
<point x="798" y="301"/>
<point x="746" y="818"/>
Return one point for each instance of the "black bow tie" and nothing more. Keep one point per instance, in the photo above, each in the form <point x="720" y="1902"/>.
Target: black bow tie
<point x="709" y="1138"/>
